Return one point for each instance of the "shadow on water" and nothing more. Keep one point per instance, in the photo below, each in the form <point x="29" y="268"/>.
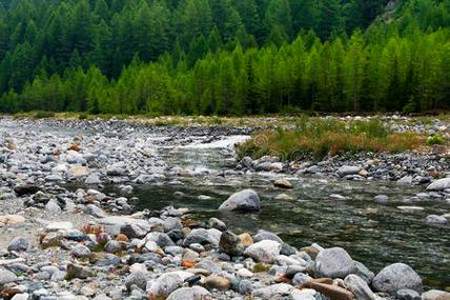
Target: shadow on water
<point x="374" y="234"/>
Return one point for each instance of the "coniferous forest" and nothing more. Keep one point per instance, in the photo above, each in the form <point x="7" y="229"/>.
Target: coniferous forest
<point x="226" y="57"/>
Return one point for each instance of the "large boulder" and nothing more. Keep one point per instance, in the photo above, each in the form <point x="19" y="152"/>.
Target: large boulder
<point x="243" y="201"/>
<point x="334" y="263"/>
<point x="264" y="251"/>
<point x="395" y="277"/>
<point x="439" y="185"/>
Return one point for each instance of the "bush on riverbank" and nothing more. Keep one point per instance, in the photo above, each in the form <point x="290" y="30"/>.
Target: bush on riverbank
<point x="318" y="138"/>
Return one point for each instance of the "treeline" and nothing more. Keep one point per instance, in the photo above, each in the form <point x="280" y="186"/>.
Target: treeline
<point x="53" y="35"/>
<point x="222" y="56"/>
<point x="377" y="72"/>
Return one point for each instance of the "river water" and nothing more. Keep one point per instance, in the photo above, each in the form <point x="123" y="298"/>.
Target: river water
<point x="374" y="234"/>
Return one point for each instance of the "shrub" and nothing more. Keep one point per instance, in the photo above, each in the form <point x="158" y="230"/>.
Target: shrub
<point x="436" y="139"/>
<point x="43" y="114"/>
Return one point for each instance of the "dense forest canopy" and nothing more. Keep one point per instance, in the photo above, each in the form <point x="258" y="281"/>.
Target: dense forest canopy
<point x="224" y="56"/>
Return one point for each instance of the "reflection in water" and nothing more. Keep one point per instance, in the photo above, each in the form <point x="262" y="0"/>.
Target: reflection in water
<point x="374" y="234"/>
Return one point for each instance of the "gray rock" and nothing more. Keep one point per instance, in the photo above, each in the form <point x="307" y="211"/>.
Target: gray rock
<point x="273" y="291"/>
<point x="217" y="224"/>
<point x="381" y="199"/>
<point x="133" y="231"/>
<point x="300" y="279"/>
<point x="93" y="179"/>
<point x="199" y="236"/>
<point x="266" y="235"/>
<point x="264" y="251"/>
<point x="245" y="287"/>
<point x="95" y="211"/>
<point x="407" y="294"/>
<point x="348" y="170"/>
<point x="161" y="239"/>
<point x="439" y="185"/>
<point x="78" y="271"/>
<point x="18" y="244"/>
<point x="6" y="276"/>
<point x="117" y="169"/>
<point x="113" y="246"/>
<point x="334" y="263"/>
<point x="80" y="251"/>
<point x="166" y="284"/>
<point x="138" y="279"/>
<point x="244" y="201"/>
<point x="189" y="293"/>
<point x="396" y="277"/>
<point x="436" y="220"/>
<point x="53" y="207"/>
<point x="359" y="287"/>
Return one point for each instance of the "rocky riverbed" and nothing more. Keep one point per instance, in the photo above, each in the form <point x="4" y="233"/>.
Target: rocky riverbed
<point x="114" y="210"/>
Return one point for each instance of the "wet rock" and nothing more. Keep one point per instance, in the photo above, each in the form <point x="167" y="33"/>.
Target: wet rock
<point x="436" y="220"/>
<point x="264" y="251"/>
<point x="18" y="244"/>
<point x="284" y="197"/>
<point x="217" y="282"/>
<point x="334" y="263"/>
<point x="439" y="185"/>
<point x="189" y="293"/>
<point x="381" y="199"/>
<point x="231" y="244"/>
<point x="396" y="277"/>
<point x="244" y="201"/>
<point x="359" y="287"/>
<point x="283" y="183"/>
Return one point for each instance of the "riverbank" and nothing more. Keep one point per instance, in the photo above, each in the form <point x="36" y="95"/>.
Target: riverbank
<point x="69" y="194"/>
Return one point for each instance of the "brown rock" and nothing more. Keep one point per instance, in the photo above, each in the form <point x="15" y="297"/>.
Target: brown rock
<point x="246" y="239"/>
<point x="283" y="183"/>
<point x="11" y="220"/>
<point x="217" y="282"/>
<point x="331" y="291"/>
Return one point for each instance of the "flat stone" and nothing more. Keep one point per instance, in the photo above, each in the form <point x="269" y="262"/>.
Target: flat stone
<point x="439" y="185"/>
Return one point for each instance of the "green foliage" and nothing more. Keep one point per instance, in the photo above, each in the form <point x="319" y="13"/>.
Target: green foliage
<point x="436" y="139"/>
<point x="43" y="114"/>
<point x="224" y="57"/>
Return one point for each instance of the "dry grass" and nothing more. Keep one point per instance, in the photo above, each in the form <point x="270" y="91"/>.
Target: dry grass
<point x="319" y="138"/>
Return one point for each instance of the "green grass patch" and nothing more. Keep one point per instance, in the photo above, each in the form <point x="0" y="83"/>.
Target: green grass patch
<point x="313" y="137"/>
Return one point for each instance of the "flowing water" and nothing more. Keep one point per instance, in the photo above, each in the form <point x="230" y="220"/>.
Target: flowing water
<point x="374" y="234"/>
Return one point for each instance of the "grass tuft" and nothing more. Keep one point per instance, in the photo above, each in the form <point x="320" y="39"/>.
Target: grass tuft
<point x="322" y="137"/>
